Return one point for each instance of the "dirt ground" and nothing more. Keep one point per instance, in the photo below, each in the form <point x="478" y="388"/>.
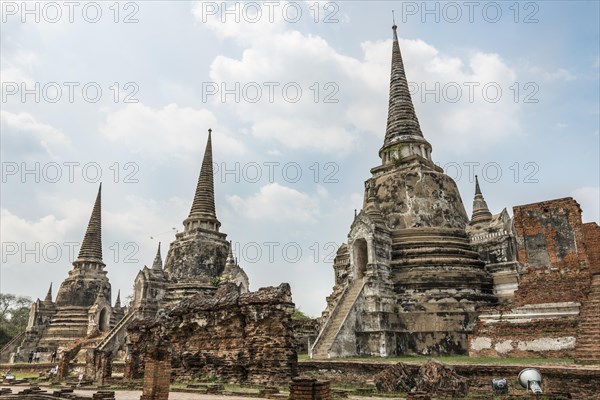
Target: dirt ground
<point x="135" y="395"/>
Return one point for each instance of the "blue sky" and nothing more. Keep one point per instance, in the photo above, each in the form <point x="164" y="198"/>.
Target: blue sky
<point x="531" y="134"/>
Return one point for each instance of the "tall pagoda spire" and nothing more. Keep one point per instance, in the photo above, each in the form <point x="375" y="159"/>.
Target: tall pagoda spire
<point x="48" y="298"/>
<point x="481" y="212"/>
<point x="203" y="214"/>
<point x="91" y="248"/>
<point x="403" y="136"/>
<point x="118" y="300"/>
<point x="157" y="264"/>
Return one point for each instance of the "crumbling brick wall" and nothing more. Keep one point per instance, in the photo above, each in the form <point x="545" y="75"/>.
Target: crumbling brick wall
<point x="547" y="338"/>
<point x="557" y="252"/>
<point x="157" y="371"/>
<point x="551" y="247"/>
<point x="591" y="233"/>
<point x="305" y="332"/>
<point x="230" y="336"/>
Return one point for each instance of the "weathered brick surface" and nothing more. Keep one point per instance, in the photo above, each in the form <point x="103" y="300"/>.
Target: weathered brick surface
<point x="157" y="373"/>
<point x="591" y="233"/>
<point x="540" y="286"/>
<point x="588" y="338"/>
<point x="231" y="336"/>
<point x="551" y="246"/>
<point x="509" y="339"/>
<point x="303" y="388"/>
<point x="581" y="383"/>
<point x="305" y="332"/>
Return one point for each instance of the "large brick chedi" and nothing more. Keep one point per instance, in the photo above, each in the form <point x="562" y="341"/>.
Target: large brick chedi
<point x="407" y="281"/>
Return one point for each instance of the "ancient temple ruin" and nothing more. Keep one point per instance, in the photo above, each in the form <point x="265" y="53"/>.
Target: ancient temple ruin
<point x="83" y="303"/>
<point x="200" y="269"/>
<point x="417" y="276"/>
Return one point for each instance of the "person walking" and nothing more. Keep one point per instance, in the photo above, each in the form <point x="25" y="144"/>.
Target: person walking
<point x="30" y="357"/>
<point x="53" y="357"/>
<point x="36" y="356"/>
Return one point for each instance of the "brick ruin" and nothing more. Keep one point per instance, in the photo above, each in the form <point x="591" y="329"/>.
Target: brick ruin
<point x="588" y="329"/>
<point x="547" y="317"/>
<point x="566" y="382"/>
<point x="305" y="388"/>
<point x="305" y="333"/>
<point x="232" y="336"/>
<point x="200" y="301"/>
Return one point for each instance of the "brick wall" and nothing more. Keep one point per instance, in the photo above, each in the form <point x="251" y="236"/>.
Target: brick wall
<point x="551" y="247"/>
<point x="157" y="374"/>
<point x="303" y="388"/>
<point x="546" y="338"/>
<point x="591" y="233"/>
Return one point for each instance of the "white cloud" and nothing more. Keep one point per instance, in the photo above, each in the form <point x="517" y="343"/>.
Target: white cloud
<point x="25" y="124"/>
<point x="360" y="89"/>
<point x="276" y="203"/>
<point x="171" y="131"/>
<point x="560" y="125"/>
<point x="589" y="199"/>
<point x="17" y="67"/>
<point x="560" y="74"/>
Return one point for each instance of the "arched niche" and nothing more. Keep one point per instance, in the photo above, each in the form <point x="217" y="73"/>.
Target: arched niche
<point x="360" y="250"/>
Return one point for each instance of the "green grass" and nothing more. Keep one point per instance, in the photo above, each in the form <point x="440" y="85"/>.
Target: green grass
<point x="454" y="359"/>
<point x="23" y="375"/>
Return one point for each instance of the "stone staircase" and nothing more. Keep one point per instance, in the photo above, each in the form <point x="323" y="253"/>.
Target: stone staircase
<point x="11" y="347"/>
<point x="588" y="337"/>
<point x="117" y="330"/>
<point x="333" y="325"/>
<point x="68" y="324"/>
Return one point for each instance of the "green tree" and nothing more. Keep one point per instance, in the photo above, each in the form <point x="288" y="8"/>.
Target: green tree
<point x="299" y="315"/>
<point x="14" y="313"/>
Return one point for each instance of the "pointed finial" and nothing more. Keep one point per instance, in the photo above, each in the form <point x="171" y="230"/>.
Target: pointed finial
<point x="209" y="131"/>
<point x="394" y="20"/>
<point x="91" y="248"/>
<point x="118" y="300"/>
<point x="230" y="259"/>
<point x="477" y="189"/>
<point x="355" y="213"/>
<point x="49" y="294"/>
<point x="157" y="264"/>
<point x="481" y="212"/>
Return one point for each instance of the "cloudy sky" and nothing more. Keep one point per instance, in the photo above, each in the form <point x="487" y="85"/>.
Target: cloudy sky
<point x="296" y="94"/>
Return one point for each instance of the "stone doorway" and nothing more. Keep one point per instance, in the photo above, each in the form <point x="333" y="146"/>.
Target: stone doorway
<point x="360" y="258"/>
<point x="103" y="321"/>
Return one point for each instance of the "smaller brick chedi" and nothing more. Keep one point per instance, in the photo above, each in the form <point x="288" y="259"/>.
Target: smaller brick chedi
<point x="83" y="303"/>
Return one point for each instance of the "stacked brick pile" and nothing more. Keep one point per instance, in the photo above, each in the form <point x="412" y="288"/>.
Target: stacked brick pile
<point x="303" y="388"/>
<point x="432" y="378"/>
